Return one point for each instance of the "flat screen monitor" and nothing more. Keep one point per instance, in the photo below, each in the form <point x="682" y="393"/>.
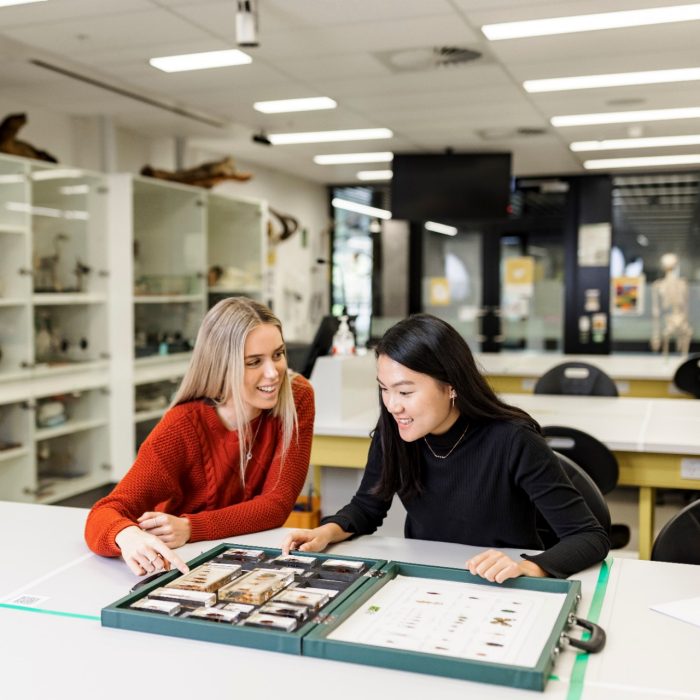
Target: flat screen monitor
<point x="456" y="187"/>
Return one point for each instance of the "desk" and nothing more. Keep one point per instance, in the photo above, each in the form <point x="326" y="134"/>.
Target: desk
<point x="651" y="438"/>
<point x="648" y="376"/>
<point x="67" y="653"/>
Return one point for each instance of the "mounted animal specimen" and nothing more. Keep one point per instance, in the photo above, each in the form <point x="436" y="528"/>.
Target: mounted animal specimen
<point x="46" y="277"/>
<point x="205" y="175"/>
<point x="283" y="228"/>
<point x="9" y="143"/>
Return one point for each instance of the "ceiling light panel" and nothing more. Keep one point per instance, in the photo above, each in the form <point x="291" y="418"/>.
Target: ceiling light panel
<point x="200" y="61"/>
<point x="343" y="158"/>
<point x="590" y="23"/>
<point x="586" y="82"/>
<point x="649" y="142"/>
<point x="301" y="104"/>
<point x="360" y="208"/>
<point x="436" y="227"/>
<point x="374" y="175"/>
<point x="328" y="136"/>
<point x="643" y="162"/>
<point x="644" y="115"/>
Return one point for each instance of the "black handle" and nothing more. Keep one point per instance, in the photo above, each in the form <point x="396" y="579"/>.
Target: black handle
<point x="596" y="642"/>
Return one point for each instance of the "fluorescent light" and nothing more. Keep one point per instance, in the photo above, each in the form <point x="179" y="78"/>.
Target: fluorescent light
<point x="586" y="82"/>
<point x="7" y="3"/>
<point x="375" y="175"/>
<point x="301" y="104"/>
<point x="200" y="61"/>
<point x="325" y="136"/>
<point x="360" y="208"/>
<point x="340" y="158"/>
<point x="440" y="228"/>
<point x="590" y="23"/>
<point x="650" y="142"/>
<point x="644" y="115"/>
<point x="646" y="162"/>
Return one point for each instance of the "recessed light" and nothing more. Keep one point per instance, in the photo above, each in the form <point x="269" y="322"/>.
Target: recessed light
<point x="346" y="204"/>
<point x="590" y="23"/>
<point x="644" y="115"/>
<point x="200" y="61"/>
<point x="586" y="82"/>
<point x="648" y="142"/>
<point x="375" y="175"/>
<point x="342" y="158"/>
<point x="644" y="162"/>
<point x="300" y="104"/>
<point x="327" y="136"/>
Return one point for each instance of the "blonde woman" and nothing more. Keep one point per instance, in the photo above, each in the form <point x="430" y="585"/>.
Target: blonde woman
<point x="230" y="456"/>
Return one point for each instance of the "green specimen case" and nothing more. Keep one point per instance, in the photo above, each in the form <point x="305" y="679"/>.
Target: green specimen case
<point x="310" y="638"/>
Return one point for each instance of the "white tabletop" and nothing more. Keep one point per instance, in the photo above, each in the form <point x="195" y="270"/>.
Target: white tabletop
<point x="55" y="655"/>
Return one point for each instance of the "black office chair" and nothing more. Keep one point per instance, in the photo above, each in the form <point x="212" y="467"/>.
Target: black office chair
<point x="591" y="455"/>
<point x="679" y="539"/>
<point x="591" y="495"/>
<point x="687" y="376"/>
<point x="577" y="379"/>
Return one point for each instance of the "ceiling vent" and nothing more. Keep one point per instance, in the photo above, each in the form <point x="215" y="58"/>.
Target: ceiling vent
<point x="505" y="134"/>
<point x="422" y="59"/>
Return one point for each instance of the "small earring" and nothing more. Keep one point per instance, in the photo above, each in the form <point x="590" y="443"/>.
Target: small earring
<point x="453" y="396"/>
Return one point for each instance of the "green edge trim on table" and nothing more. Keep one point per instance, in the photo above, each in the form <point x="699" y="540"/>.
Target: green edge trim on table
<point x="49" y="612"/>
<point x="579" y="670"/>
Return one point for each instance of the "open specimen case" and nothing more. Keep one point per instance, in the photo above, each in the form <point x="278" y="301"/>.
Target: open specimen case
<point x="426" y="619"/>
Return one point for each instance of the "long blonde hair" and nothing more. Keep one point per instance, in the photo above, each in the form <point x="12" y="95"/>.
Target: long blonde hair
<point x="217" y="367"/>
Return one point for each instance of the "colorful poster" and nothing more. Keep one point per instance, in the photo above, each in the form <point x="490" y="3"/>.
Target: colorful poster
<point x="627" y="296"/>
<point x="518" y="288"/>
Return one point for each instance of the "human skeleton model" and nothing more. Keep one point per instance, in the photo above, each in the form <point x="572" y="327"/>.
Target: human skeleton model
<point x="669" y="308"/>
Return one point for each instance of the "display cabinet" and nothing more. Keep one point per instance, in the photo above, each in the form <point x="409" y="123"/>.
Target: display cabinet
<point x="236" y="247"/>
<point x="54" y="334"/>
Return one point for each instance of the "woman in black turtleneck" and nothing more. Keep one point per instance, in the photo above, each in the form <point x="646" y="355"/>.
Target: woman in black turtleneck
<point x="467" y="467"/>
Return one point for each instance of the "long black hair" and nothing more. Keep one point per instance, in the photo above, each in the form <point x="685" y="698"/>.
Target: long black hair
<point x="427" y="344"/>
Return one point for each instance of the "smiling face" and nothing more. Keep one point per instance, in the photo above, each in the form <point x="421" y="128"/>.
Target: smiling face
<point x="265" y="365"/>
<point x="419" y="404"/>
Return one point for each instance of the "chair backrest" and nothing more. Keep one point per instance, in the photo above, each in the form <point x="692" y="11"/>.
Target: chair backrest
<point x="576" y="378"/>
<point x="679" y="539"/>
<point x="591" y="495"/>
<point x="588" y="452"/>
<point x="687" y="376"/>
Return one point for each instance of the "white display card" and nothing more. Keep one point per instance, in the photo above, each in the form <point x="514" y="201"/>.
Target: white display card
<point x="451" y="618"/>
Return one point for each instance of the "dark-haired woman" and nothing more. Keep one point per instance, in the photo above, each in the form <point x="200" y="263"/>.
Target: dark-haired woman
<point x="468" y="468"/>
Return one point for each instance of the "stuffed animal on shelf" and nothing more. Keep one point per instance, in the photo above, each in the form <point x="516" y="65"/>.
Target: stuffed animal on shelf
<point x="205" y="175"/>
<point x="9" y="143"/>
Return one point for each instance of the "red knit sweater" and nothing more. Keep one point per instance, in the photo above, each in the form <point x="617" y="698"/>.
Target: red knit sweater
<point x="189" y="466"/>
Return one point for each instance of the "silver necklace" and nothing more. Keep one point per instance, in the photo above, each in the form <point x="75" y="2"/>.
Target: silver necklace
<point x="437" y="456"/>
<point x="249" y="454"/>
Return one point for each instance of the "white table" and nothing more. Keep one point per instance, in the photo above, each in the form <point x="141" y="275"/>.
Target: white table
<point x="66" y="653"/>
<point x="653" y="440"/>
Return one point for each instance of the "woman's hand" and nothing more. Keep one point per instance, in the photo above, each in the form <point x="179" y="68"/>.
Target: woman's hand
<point x="170" y="529"/>
<point x="499" y="567"/>
<point x="315" y="540"/>
<point x="145" y="553"/>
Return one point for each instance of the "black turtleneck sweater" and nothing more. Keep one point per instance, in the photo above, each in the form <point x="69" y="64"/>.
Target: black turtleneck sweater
<point x="487" y="493"/>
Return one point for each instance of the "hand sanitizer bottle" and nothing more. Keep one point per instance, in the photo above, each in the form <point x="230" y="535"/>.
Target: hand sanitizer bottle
<point x="343" y="340"/>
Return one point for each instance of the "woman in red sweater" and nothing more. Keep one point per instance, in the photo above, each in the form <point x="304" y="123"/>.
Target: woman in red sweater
<point x="230" y="456"/>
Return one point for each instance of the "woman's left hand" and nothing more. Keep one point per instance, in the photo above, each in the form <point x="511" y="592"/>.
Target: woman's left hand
<point x="170" y="529"/>
<point x="499" y="567"/>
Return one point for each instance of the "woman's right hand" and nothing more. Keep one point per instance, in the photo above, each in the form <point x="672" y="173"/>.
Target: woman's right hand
<point x="315" y="540"/>
<point x="145" y="553"/>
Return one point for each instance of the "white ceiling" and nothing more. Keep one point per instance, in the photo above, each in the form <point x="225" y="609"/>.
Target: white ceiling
<point x="338" y="48"/>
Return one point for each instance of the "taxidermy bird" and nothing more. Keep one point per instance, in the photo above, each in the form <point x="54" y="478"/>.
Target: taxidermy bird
<point x="205" y="175"/>
<point x="11" y="124"/>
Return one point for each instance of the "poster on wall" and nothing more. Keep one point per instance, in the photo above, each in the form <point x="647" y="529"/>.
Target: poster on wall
<point x="439" y="291"/>
<point x="627" y="296"/>
<point x="518" y="288"/>
<point x="594" y="245"/>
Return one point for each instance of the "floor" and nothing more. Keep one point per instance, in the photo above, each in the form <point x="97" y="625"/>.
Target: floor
<point x="622" y="502"/>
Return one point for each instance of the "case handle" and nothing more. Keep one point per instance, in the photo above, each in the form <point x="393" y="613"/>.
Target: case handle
<point x="597" y="639"/>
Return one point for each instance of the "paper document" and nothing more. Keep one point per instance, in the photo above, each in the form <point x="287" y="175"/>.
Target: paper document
<point x="687" y="610"/>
